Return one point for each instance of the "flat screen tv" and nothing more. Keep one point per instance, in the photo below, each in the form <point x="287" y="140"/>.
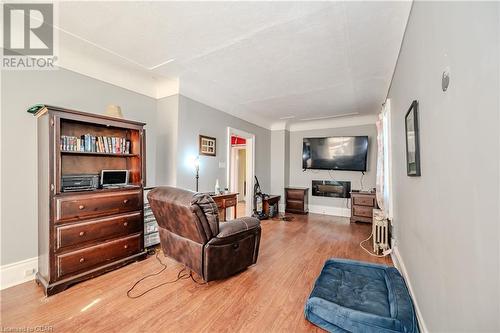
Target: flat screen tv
<point x="335" y="153"/>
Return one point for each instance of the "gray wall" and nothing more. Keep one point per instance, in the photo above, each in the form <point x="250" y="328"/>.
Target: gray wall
<point x="287" y="158"/>
<point x="166" y="155"/>
<point x="196" y="118"/>
<point x="22" y="89"/>
<point x="279" y="147"/>
<point x="447" y="220"/>
<point x="298" y="177"/>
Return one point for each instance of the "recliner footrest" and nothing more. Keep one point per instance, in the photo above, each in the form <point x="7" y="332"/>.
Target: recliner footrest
<point x="231" y="254"/>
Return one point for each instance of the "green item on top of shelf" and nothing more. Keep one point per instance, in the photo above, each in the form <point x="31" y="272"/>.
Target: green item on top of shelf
<point x="35" y="108"/>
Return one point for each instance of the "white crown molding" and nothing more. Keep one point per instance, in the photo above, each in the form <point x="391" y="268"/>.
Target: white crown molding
<point x="323" y="124"/>
<point x="279" y="126"/>
<point x="95" y="64"/>
<point x="18" y="272"/>
<point x="333" y="123"/>
<point x="167" y="87"/>
<point x="399" y="264"/>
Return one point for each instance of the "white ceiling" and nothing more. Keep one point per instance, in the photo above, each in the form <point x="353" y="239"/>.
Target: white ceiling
<point x="262" y="61"/>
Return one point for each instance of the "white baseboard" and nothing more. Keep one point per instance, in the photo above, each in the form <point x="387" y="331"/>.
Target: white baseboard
<point x="399" y="264"/>
<point x="329" y="210"/>
<point x="18" y="272"/>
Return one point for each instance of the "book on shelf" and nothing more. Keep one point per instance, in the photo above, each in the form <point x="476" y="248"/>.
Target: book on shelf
<point x="95" y="144"/>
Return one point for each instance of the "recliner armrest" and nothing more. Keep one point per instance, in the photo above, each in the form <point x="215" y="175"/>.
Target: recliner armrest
<point x="236" y="226"/>
<point x="234" y="229"/>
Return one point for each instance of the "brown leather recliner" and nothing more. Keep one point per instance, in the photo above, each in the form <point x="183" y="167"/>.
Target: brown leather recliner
<point x="191" y="234"/>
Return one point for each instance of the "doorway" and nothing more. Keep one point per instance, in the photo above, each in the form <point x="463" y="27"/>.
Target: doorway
<point x="240" y="170"/>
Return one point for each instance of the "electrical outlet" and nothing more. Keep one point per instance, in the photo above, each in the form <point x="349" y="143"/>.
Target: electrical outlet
<point x="29" y="272"/>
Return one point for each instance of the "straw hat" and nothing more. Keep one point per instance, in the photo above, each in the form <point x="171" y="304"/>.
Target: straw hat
<point x="114" y="111"/>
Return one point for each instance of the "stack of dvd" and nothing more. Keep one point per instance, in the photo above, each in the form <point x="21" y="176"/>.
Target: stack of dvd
<point x="151" y="234"/>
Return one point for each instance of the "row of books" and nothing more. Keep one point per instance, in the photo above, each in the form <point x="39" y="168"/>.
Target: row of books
<point x="97" y="144"/>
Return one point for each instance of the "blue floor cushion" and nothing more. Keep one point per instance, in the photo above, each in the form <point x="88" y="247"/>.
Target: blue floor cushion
<point x="352" y="296"/>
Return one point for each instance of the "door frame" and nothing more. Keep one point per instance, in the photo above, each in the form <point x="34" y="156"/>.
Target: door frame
<point x="235" y="169"/>
<point x="250" y="165"/>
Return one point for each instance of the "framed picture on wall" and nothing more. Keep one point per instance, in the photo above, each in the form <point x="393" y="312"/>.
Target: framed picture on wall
<point x="412" y="141"/>
<point x="207" y="145"/>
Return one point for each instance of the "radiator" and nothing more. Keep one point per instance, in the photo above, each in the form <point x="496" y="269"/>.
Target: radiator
<point x="380" y="232"/>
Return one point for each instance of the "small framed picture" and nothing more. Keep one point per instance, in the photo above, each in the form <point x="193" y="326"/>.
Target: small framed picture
<point x="207" y="145"/>
<point x="412" y="141"/>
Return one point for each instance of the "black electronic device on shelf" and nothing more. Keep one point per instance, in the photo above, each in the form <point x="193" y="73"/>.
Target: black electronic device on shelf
<point x="79" y="182"/>
<point x="114" y="178"/>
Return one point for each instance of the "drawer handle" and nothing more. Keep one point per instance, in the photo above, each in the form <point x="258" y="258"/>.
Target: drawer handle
<point x="125" y="246"/>
<point x="82" y="260"/>
<point x="82" y="233"/>
<point x="125" y="224"/>
<point x="125" y="201"/>
<point x="81" y="207"/>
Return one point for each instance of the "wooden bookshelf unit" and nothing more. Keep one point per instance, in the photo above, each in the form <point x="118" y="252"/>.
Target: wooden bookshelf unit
<point x="87" y="233"/>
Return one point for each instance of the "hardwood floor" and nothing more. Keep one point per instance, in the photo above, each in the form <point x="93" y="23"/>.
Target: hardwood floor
<point x="240" y="209"/>
<point x="267" y="297"/>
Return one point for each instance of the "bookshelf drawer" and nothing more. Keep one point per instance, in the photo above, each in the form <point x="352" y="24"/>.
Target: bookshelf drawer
<point x="98" y="229"/>
<point x="97" y="255"/>
<point x="73" y="207"/>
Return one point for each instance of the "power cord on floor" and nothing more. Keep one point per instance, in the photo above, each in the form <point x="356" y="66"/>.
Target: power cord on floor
<point x="181" y="275"/>
<point x="194" y="280"/>
<point x="369" y="252"/>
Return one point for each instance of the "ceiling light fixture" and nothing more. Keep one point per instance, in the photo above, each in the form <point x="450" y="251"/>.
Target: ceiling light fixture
<point x="287" y="117"/>
<point x="328" y="117"/>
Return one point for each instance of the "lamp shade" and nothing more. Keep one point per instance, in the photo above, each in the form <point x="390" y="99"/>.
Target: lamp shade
<point x="114" y="111"/>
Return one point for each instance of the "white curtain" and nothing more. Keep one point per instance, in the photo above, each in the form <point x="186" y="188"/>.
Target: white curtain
<point x="383" y="161"/>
